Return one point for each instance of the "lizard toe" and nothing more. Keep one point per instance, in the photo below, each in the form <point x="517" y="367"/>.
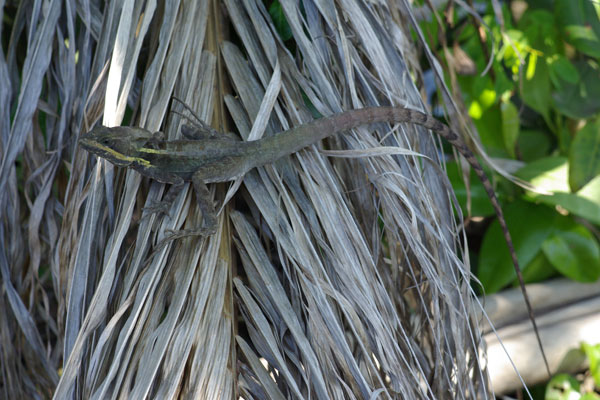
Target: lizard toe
<point x="158" y="208"/>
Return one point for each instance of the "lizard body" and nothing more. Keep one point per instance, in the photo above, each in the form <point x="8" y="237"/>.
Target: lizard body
<point x="205" y="157"/>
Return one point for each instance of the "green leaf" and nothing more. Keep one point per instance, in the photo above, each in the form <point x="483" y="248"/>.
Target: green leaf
<point x="482" y="92"/>
<point x="488" y="126"/>
<point x="539" y="269"/>
<point x="530" y="71"/>
<point x="510" y="126"/>
<point x="530" y="225"/>
<point x="580" y="24"/>
<point x="584" y="155"/>
<point x="279" y="20"/>
<point x="561" y="69"/>
<point x="589" y="396"/>
<point x="575" y="253"/>
<point x="503" y="84"/>
<point x="592" y="353"/>
<point x="536" y="90"/>
<point x="480" y="202"/>
<point x="539" y="29"/>
<point x="576" y="204"/>
<point x="475" y="110"/>
<point x="562" y="387"/>
<point x="581" y="100"/>
<point x="549" y="175"/>
<point x="514" y="50"/>
<point x="591" y="193"/>
<point x="533" y="144"/>
<point x="546" y="174"/>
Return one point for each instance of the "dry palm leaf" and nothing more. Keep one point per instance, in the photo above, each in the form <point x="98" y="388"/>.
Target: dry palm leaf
<point x="329" y="277"/>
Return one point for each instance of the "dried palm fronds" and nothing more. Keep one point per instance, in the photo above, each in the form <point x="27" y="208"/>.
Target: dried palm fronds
<point x="328" y="278"/>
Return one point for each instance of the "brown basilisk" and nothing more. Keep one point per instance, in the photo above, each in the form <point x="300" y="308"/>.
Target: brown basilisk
<point x="204" y="156"/>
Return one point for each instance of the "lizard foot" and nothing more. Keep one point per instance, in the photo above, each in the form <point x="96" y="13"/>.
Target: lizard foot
<point x="174" y="235"/>
<point x="161" y="207"/>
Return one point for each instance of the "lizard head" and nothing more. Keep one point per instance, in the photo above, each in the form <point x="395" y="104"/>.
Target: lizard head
<point x="119" y="144"/>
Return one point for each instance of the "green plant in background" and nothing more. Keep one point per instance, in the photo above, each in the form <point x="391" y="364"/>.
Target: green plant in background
<point x="592" y="353"/>
<point x="567" y="387"/>
<point x="538" y="110"/>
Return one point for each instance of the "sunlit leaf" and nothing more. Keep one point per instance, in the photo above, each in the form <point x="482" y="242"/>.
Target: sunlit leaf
<point x="584" y="155"/>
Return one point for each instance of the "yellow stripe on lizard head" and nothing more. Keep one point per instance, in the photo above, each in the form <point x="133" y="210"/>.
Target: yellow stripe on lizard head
<point x="123" y="157"/>
<point x="152" y="151"/>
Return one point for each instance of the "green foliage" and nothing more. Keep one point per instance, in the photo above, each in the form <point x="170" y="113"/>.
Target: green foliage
<point x="476" y="194"/>
<point x="584" y="157"/>
<point x="580" y="99"/>
<point x="566" y="387"/>
<point x="562" y="387"/>
<point x="546" y="243"/>
<point x="538" y="104"/>
<point x="281" y="24"/>
<point x="580" y="25"/>
<point x="592" y="352"/>
<point x="550" y="177"/>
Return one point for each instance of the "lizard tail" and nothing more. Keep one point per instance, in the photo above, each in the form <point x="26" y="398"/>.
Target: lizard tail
<point x="494" y="200"/>
<point x="295" y="139"/>
<point x="456" y="141"/>
<point x="302" y="136"/>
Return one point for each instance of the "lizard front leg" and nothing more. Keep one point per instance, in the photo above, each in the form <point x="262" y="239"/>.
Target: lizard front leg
<point x="163" y="177"/>
<point x="163" y="206"/>
<point x="155" y="140"/>
<point x="209" y="216"/>
<point x="209" y="223"/>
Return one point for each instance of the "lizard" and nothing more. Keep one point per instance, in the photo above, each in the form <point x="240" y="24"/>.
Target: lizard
<point x="205" y="156"/>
